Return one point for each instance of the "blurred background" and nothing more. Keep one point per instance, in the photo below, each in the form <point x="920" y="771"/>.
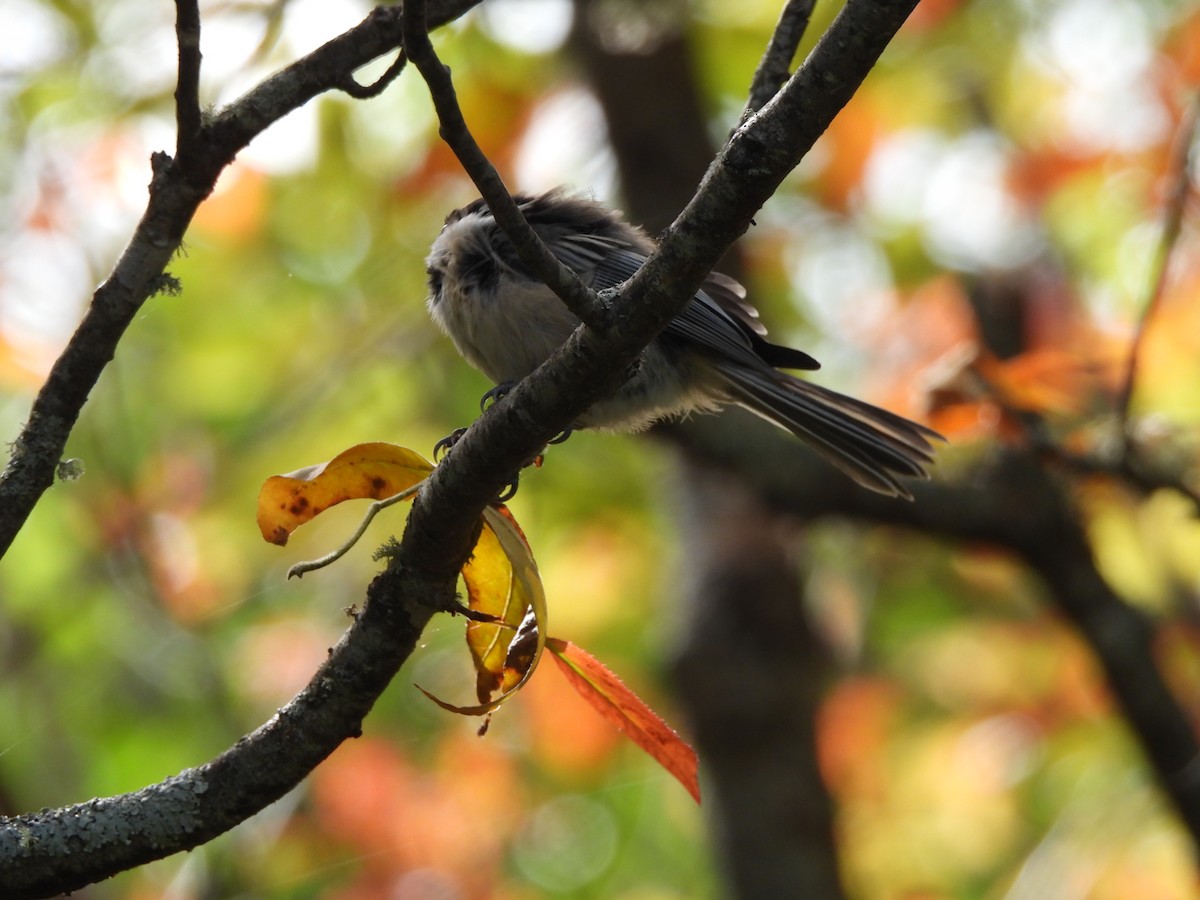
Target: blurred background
<point x="977" y="232"/>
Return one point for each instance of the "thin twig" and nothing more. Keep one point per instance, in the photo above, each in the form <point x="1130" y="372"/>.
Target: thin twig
<point x="1180" y="168"/>
<point x="187" y="87"/>
<point x="366" y="91"/>
<point x="775" y="66"/>
<point x="582" y="301"/>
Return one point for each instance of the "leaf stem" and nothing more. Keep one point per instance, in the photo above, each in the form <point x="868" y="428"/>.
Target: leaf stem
<point x="301" y="569"/>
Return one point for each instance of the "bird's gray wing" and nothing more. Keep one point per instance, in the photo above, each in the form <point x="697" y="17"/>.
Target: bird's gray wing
<point x="605" y="262"/>
<point x="718" y="320"/>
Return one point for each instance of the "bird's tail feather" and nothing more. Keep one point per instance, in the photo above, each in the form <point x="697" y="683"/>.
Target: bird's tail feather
<point x="871" y="445"/>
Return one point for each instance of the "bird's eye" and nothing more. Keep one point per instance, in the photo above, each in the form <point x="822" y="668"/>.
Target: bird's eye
<point x="436" y="277"/>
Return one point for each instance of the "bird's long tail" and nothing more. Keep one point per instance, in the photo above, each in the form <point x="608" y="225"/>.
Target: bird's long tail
<point x="871" y="445"/>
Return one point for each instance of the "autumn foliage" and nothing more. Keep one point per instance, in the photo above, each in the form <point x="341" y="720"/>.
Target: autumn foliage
<point x="981" y="241"/>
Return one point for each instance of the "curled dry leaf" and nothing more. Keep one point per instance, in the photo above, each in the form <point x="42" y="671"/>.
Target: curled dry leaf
<point x="492" y="589"/>
<point x="365" y="471"/>
<point x="502" y="580"/>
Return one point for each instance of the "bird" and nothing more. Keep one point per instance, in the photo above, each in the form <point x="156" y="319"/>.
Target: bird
<point x="506" y="322"/>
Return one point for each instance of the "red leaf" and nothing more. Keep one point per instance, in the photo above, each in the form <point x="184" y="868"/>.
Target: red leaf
<point x="609" y="696"/>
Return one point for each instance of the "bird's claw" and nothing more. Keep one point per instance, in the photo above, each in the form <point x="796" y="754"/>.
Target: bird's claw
<point x="509" y="490"/>
<point x="442" y="447"/>
<point x="496" y="394"/>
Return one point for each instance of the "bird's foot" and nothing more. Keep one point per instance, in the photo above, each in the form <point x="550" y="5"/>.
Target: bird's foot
<point x="444" y="446"/>
<point x="496" y="394"/>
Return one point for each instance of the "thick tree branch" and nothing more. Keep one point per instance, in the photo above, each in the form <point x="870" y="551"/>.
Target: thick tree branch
<point x="752" y="674"/>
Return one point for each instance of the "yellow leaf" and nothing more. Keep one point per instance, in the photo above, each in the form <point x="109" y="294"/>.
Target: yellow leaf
<point x="365" y="471"/>
<point x="502" y="581"/>
<point x="528" y="590"/>
<point x="491" y="589"/>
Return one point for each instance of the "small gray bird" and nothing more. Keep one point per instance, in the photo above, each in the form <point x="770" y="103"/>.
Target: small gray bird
<point x="505" y="322"/>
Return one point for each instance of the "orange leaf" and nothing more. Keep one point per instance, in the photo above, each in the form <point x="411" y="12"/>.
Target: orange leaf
<point x="365" y="471"/>
<point x="621" y="706"/>
<point x="1048" y="380"/>
<point x="852" y="137"/>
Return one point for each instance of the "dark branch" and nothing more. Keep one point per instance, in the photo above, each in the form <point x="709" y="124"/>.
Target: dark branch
<point x="55" y="851"/>
<point x="366" y="91"/>
<point x="454" y="131"/>
<point x="774" y="68"/>
<point x="752" y="675"/>
<point x="187" y="86"/>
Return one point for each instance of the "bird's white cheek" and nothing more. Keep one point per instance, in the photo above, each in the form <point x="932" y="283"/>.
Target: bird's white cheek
<point x="451" y="310"/>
